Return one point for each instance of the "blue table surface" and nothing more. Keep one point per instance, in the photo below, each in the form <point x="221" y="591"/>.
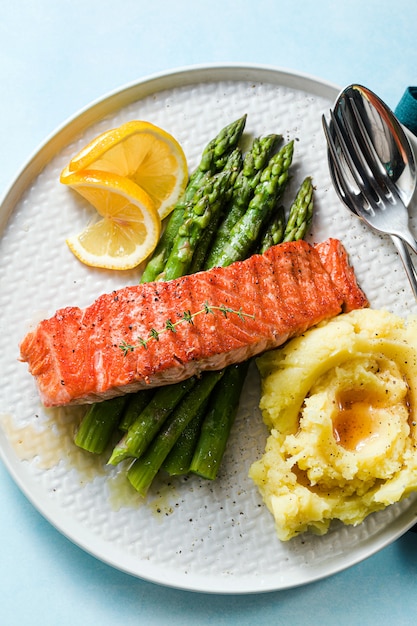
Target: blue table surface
<point x="56" y="58"/>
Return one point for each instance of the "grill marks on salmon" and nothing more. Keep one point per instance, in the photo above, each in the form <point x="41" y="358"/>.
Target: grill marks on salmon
<point x="75" y="356"/>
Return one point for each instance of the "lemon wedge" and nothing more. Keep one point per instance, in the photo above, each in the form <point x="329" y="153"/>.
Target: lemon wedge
<point x="127" y="227"/>
<point x="145" y="154"/>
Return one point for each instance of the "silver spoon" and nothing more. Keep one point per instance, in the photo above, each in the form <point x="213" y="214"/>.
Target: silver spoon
<point x="392" y="147"/>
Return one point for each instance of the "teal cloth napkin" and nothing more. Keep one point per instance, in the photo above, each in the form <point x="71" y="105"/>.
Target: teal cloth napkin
<point x="406" y="109"/>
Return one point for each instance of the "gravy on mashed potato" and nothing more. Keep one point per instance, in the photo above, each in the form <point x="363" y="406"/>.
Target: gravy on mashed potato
<point x="341" y="405"/>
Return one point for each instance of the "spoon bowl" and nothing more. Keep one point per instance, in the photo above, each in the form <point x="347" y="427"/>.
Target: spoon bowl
<point x="388" y="136"/>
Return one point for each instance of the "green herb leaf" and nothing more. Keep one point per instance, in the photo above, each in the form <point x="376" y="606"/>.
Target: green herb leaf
<point x="188" y="317"/>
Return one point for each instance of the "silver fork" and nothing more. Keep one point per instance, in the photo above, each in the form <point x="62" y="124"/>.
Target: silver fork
<point x="364" y="186"/>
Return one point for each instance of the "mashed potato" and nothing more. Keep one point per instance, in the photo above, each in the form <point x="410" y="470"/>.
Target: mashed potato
<point x="341" y="405"/>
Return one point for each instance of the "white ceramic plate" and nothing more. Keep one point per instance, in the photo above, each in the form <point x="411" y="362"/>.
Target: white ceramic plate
<point x="190" y="534"/>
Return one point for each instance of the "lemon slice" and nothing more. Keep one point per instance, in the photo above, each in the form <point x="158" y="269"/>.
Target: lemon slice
<point x="142" y="152"/>
<point x="127" y="228"/>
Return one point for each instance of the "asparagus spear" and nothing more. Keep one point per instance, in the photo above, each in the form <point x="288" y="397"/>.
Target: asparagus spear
<point x="301" y="212"/>
<point x="136" y="403"/>
<point x="98" y="425"/>
<point x="157" y="262"/>
<point x="253" y="164"/>
<point x="204" y="209"/>
<point x="147" y="424"/>
<point x="269" y="189"/>
<point x="213" y="160"/>
<point x="274" y="231"/>
<point x="179" y="459"/>
<point x="142" y="472"/>
<point x="205" y="242"/>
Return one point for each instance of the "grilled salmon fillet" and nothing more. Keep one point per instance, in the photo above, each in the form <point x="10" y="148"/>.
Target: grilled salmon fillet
<point x="76" y="358"/>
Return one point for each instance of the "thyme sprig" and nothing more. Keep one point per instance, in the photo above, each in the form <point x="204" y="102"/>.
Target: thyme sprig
<point x="186" y="317"/>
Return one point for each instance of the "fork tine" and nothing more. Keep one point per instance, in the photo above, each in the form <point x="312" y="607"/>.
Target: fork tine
<point x="352" y="159"/>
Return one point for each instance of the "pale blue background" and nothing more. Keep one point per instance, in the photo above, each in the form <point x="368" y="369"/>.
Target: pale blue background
<point x="56" y="56"/>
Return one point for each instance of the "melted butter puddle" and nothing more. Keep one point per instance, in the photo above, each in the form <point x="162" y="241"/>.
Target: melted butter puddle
<point x="52" y="442"/>
<point x="31" y="443"/>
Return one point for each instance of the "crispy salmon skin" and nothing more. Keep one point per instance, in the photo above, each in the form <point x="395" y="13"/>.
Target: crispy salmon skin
<point x="76" y="358"/>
